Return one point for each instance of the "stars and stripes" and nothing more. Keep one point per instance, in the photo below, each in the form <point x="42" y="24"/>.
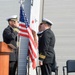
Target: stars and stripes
<point x="26" y="31"/>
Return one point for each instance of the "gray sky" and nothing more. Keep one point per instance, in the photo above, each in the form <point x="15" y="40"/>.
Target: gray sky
<point x="7" y="8"/>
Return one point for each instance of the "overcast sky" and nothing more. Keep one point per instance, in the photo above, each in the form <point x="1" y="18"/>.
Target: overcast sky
<point x="7" y="8"/>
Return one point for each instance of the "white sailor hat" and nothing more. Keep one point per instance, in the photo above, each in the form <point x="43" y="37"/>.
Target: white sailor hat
<point x="13" y="17"/>
<point x="47" y="21"/>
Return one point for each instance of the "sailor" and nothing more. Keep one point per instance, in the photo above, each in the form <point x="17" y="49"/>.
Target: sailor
<point x="46" y="47"/>
<point x="10" y="37"/>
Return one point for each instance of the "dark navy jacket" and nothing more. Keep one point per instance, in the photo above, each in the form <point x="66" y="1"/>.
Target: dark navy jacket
<point x="9" y="36"/>
<point x="46" y="46"/>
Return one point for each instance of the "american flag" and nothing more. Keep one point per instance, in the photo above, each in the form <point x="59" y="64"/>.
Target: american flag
<point x="27" y="32"/>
